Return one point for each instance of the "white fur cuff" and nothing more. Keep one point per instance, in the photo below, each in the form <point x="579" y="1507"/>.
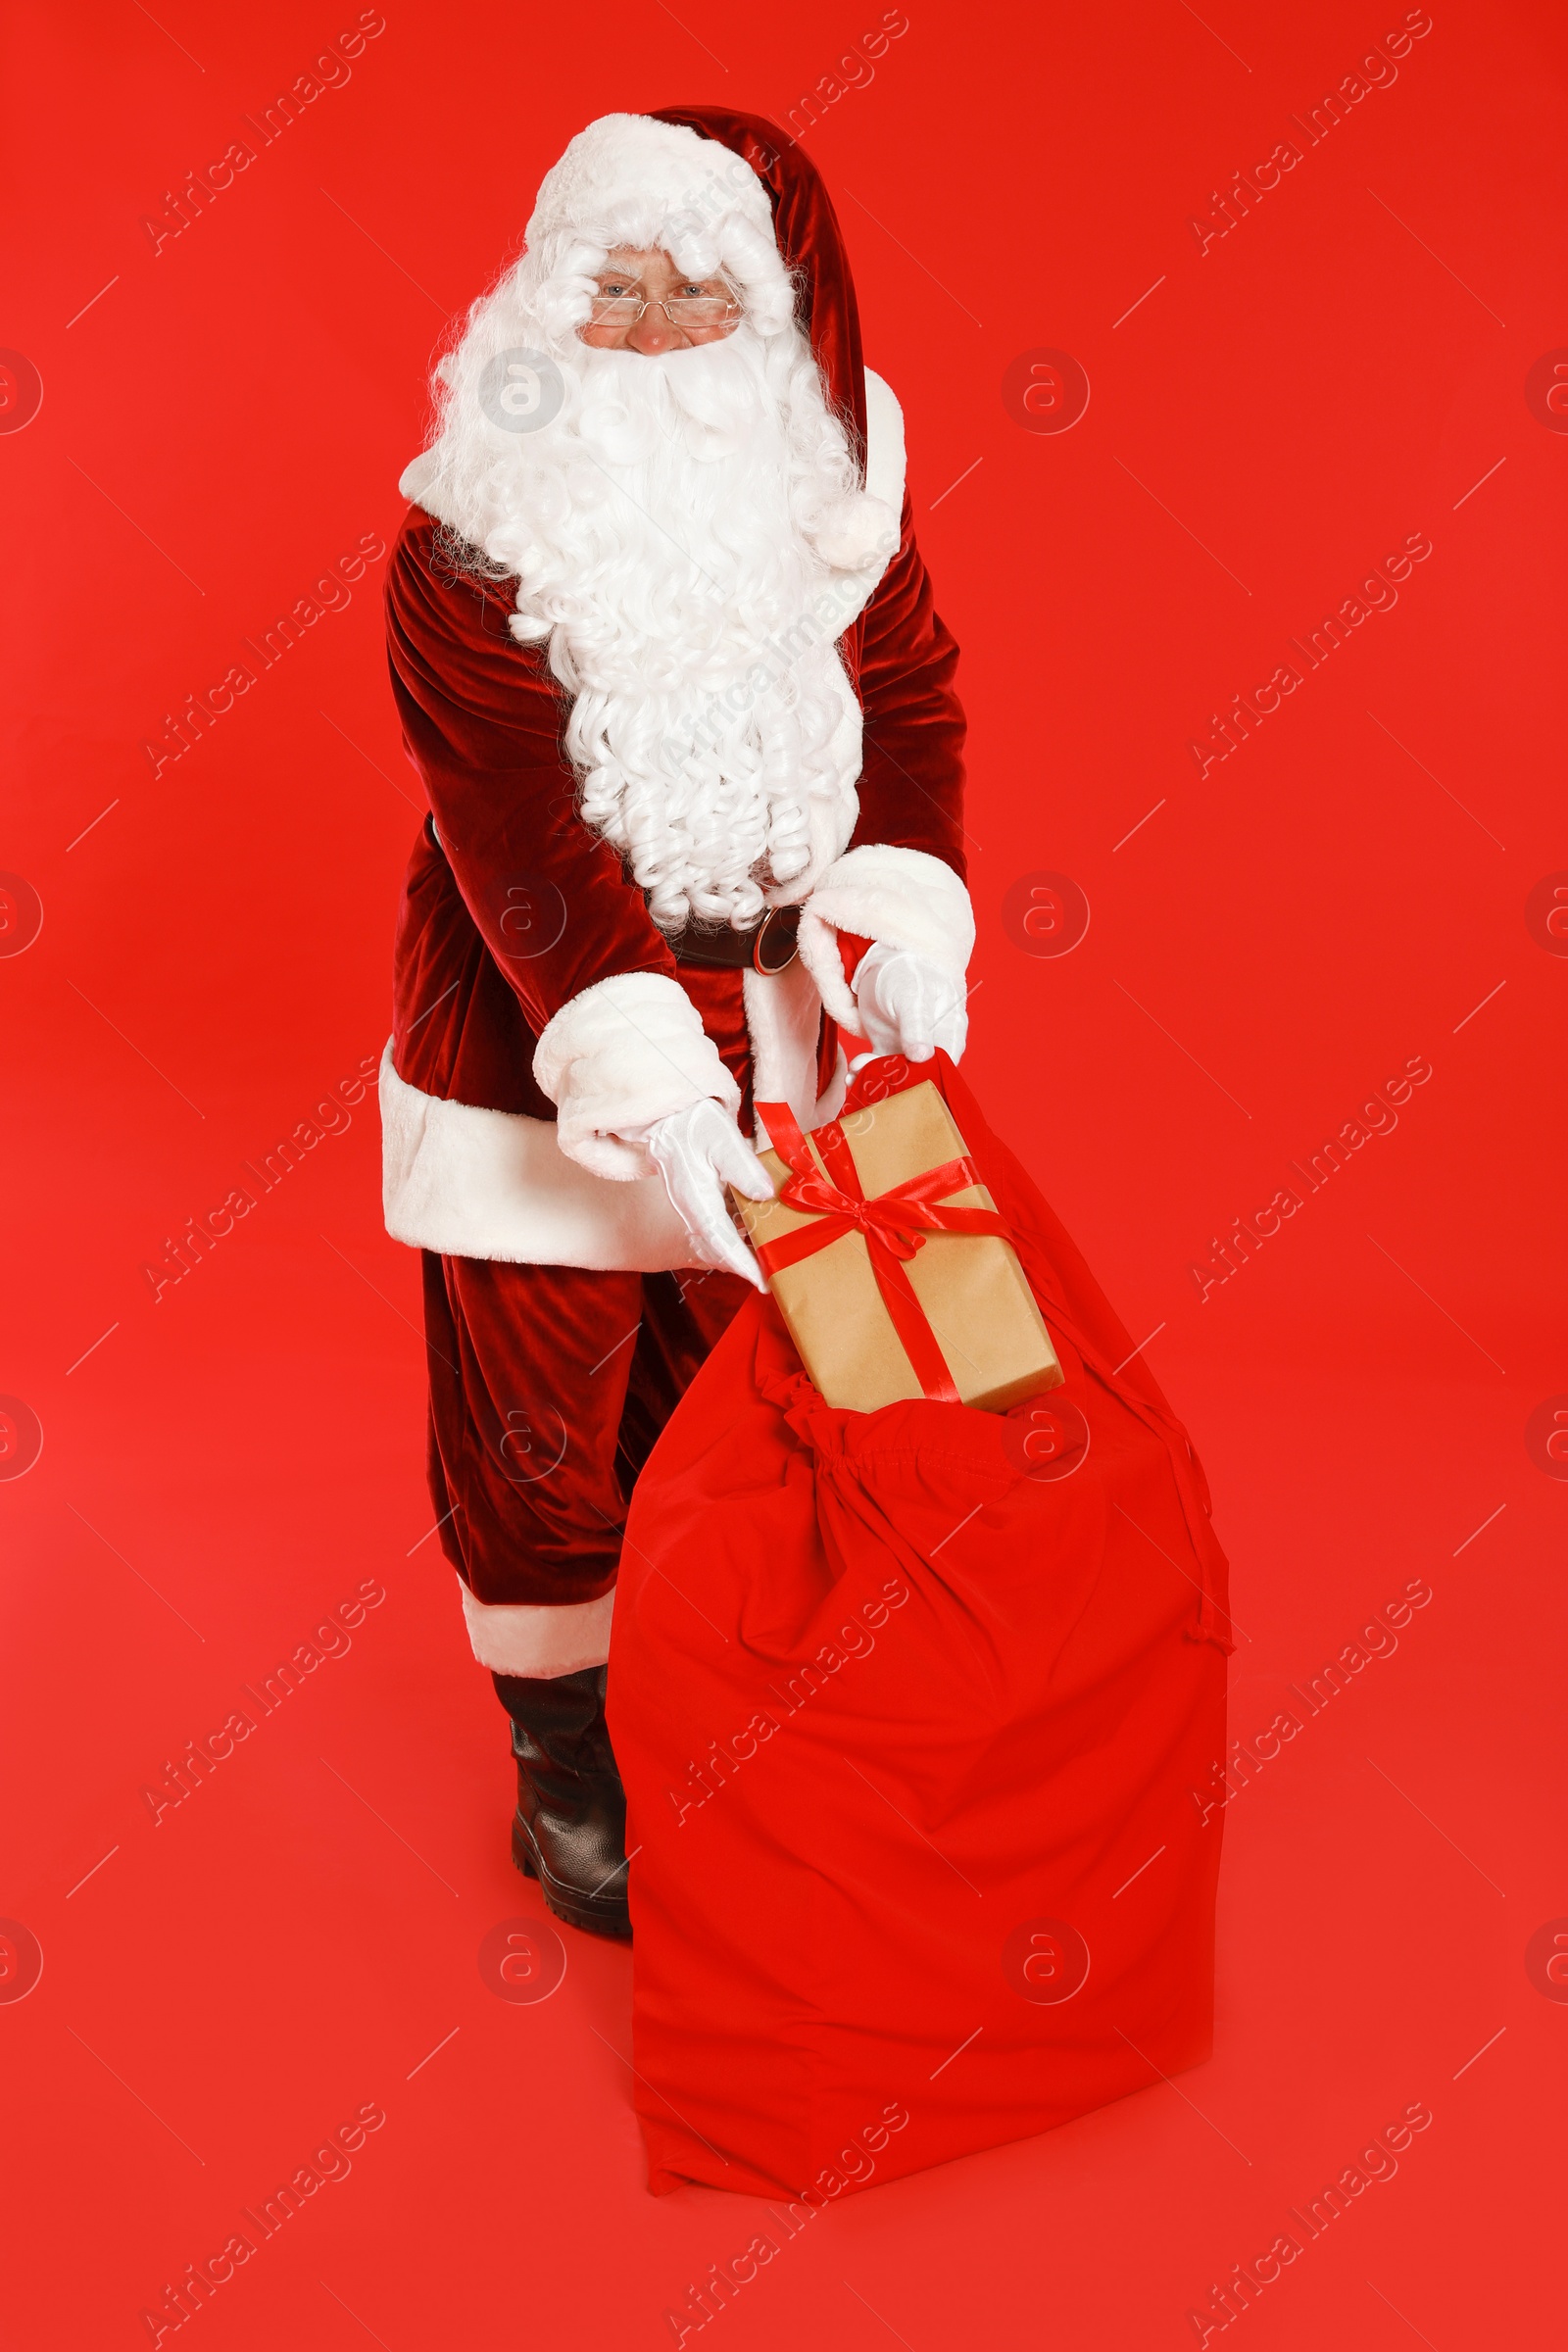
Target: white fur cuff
<point x="473" y="1182"/>
<point x="536" y="1641"/>
<point x="899" y="898"/>
<point x="624" y="1052"/>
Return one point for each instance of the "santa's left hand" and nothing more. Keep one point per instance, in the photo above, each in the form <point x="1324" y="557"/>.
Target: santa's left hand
<point x="909" y="1003"/>
<point x="700" y="1151"/>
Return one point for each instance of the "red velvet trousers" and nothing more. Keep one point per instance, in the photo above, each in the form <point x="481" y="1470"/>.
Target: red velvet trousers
<point x="548" y="1388"/>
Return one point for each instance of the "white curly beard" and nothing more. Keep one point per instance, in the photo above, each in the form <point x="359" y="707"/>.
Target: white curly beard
<point x="661" y="528"/>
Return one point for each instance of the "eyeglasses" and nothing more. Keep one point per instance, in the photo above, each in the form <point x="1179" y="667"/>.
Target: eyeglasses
<point x="686" y="310"/>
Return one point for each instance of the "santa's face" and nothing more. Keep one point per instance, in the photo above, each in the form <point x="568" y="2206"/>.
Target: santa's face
<point x="677" y="309"/>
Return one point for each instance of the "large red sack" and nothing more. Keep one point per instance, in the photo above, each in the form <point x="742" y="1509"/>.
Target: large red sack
<point x="910" y="1707"/>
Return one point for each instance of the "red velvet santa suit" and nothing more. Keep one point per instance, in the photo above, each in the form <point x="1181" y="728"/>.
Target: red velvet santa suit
<point x="563" y="1318"/>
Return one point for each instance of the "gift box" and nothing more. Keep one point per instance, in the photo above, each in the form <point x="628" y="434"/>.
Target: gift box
<point x="890" y="1266"/>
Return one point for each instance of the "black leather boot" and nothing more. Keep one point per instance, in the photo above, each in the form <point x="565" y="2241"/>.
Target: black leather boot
<point x="570" y="1828"/>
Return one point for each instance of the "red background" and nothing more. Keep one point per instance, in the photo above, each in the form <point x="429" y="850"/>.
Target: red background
<point x="226" y="420"/>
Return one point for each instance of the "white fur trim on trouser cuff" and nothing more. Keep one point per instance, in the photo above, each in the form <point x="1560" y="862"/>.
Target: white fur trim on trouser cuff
<point x="536" y="1641"/>
<point x="471" y="1183"/>
<point x="899" y="897"/>
<point x="622" y="1053"/>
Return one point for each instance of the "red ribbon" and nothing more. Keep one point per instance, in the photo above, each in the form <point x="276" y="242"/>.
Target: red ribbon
<point x="895" y="1225"/>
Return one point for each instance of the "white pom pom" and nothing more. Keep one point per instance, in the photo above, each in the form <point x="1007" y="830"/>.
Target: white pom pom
<point x="856" y="532"/>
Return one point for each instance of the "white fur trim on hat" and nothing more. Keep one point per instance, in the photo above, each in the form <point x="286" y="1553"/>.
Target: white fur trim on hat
<point x="627" y="181"/>
<point x="535" y="1641"/>
<point x="667" y="172"/>
<point x="622" y="1053"/>
<point x="897" y="898"/>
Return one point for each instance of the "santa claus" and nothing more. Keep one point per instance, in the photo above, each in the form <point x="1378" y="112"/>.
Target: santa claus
<point x="666" y="661"/>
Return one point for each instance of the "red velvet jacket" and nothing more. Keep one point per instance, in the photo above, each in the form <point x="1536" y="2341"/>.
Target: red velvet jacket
<point x="522" y="905"/>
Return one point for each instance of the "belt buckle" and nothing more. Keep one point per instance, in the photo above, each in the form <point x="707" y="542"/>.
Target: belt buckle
<point x="771" y="971"/>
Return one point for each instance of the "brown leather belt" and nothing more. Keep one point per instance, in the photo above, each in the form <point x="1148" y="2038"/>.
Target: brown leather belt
<point x="769" y="947"/>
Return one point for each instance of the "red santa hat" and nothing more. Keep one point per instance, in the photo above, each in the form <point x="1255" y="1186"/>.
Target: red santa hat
<point x="628" y="179"/>
<point x="807" y="233"/>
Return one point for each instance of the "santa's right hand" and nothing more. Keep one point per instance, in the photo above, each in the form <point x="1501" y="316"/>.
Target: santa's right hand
<point x="700" y="1151"/>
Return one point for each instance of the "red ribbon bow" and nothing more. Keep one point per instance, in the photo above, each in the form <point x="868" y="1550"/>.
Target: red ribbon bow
<point x="895" y="1224"/>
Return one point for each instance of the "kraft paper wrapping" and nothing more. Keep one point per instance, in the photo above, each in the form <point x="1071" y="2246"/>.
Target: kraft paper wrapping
<point x="970" y="1287"/>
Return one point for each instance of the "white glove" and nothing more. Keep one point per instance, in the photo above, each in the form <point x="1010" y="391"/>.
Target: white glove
<point x="698" y="1152"/>
<point x="910" y="1003"/>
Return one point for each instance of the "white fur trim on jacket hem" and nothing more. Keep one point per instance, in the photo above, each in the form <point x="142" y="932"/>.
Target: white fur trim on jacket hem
<point x="783" y="1014"/>
<point x="899" y="897"/>
<point x="536" y="1641"/>
<point x="471" y="1183"/>
<point x="465" y="1182"/>
<point x="622" y="1053"/>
